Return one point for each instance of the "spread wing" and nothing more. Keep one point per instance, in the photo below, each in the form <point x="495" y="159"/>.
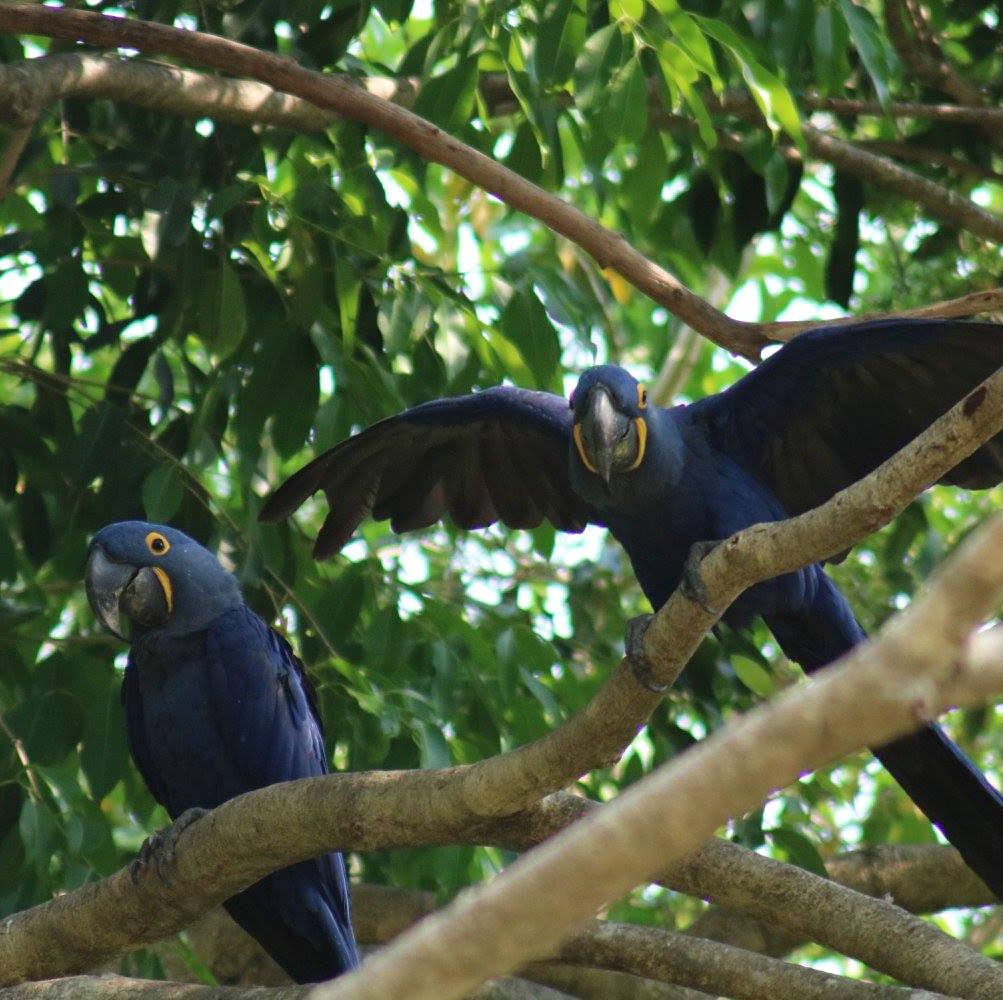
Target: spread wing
<point x="834" y="403"/>
<point x="496" y="455"/>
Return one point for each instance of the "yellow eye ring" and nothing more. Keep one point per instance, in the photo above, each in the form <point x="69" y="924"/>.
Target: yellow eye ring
<point x="157" y="543"/>
<point x="642" y="396"/>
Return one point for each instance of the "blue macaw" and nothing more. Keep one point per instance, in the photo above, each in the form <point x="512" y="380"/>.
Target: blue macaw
<point x="817" y="415"/>
<point x="217" y="704"/>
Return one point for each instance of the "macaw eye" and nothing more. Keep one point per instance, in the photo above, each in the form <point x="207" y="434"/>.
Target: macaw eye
<point x="157" y="544"/>
<point x="642" y="396"/>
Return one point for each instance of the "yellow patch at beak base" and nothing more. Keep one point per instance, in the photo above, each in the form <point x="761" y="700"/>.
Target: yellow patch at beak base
<point x="642" y="440"/>
<point x="165" y="583"/>
<point x="576" y="433"/>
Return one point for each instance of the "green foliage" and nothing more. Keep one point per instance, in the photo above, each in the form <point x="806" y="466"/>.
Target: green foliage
<point x="192" y="309"/>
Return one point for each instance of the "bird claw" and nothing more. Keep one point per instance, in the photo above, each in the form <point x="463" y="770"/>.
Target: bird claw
<point x="640" y="665"/>
<point x="692" y="584"/>
<point x="158" y="849"/>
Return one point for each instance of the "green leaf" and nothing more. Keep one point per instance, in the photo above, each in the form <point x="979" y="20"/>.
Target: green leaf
<point x="558" y="41"/>
<point x="298" y="392"/>
<point x="799" y="850"/>
<point x="630" y="10"/>
<point x="829" y="41"/>
<point x="525" y="323"/>
<point x="691" y="39"/>
<point x="625" y="115"/>
<point x="777" y="176"/>
<point x="599" y="57"/>
<point x="36" y="530"/>
<point x="222" y="312"/>
<point x="433" y="746"/>
<point x="872" y="46"/>
<point x="448" y="99"/>
<point x="543" y="695"/>
<point x="348" y="285"/>
<point x="49" y="724"/>
<point x="39" y="832"/>
<point x="167" y="219"/>
<point x="681" y="75"/>
<point x="770" y="94"/>
<point x="753" y="675"/>
<point x="163" y="491"/>
<point x="104" y="755"/>
<point x="524" y="157"/>
<point x="8" y="554"/>
<point x="646" y="178"/>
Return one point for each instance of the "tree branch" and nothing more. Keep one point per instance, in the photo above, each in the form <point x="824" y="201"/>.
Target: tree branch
<point x="924" y="57"/>
<point x="721" y="970"/>
<point x="364" y="812"/>
<point x="921" y="878"/>
<point x="245" y="101"/>
<point x="588" y="983"/>
<point x="123" y="988"/>
<point x="27" y="87"/>
<point x="947" y="205"/>
<point x="876" y="693"/>
<point x="349" y="100"/>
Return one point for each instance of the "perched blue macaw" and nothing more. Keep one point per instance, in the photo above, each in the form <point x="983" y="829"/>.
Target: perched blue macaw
<point x="217" y="704"/>
<point x="820" y="413"/>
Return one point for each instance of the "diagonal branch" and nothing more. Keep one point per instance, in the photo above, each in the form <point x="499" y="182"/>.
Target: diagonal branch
<point x="876" y="693"/>
<point x="123" y="988"/>
<point x="719" y="969"/>
<point x="378" y="810"/>
<point x="247" y="101"/>
<point x="349" y="100"/>
<point x="27" y="87"/>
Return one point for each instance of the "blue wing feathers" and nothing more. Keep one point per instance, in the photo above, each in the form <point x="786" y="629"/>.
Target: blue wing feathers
<point x="500" y="454"/>
<point x="834" y="403"/>
<point x="135" y="734"/>
<point x="232" y="710"/>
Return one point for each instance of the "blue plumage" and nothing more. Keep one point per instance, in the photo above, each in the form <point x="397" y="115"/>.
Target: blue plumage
<point x="819" y="414"/>
<point x="217" y="704"/>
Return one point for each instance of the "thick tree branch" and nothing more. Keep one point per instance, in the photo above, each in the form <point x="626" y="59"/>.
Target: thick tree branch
<point x="365" y="811"/>
<point x="718" y="969"/>
<point x="879" y="691"/>
<point x="241" y="101"/>
<point x="351" y="101"/>
<point x="921" y="878"/>
<point x="123" y="988"/>
<point x="589" y="983"/>
<point x="26" y="88"/>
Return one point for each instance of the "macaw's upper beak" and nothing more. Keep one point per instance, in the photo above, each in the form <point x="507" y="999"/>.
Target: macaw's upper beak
<point x="117" y="589"/>
<point x="605" y="435"/>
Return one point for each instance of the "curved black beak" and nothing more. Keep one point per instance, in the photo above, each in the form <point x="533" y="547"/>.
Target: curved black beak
<point x="117" y="589"/>
<point x="604" y="429"/>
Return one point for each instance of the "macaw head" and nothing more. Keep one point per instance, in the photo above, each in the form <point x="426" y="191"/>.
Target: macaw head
<point x="157" y="578"/>
<point x="610" y="430"/>
<point x="622" y="449"/>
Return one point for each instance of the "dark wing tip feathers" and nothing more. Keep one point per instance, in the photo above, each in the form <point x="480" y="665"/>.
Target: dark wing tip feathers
<point x="500" y="454"/>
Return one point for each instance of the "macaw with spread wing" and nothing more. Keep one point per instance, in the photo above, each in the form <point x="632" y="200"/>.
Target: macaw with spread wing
<point x="816" y="416"/>
<point x="217" y="704"/>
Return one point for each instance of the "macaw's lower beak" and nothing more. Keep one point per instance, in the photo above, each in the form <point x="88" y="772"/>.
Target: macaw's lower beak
<point x="117" y="589"/>
<point x="604" y="437"/>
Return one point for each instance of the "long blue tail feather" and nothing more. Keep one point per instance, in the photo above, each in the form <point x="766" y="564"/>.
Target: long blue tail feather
<point x="930" y="767"/>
